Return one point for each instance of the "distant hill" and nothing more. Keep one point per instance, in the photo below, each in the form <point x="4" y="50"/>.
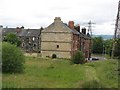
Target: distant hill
<point x="105" y="37"/>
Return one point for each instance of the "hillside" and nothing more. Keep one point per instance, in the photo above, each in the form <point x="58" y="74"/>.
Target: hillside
<point x="105" y="37"/>
<point x="59" y="73"/>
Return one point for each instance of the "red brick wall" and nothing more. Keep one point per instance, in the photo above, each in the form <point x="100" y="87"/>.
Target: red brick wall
<point x="75" y="43"/>
<point x="81" y="43"/>
<point x="87" y="49"/>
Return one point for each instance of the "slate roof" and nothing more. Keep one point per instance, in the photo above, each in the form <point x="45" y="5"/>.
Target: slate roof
<point x="29" y="32"/>
<point x="5" y="31"/>
<point x="63" y="25"/>
<point x="72" y="30"/>
<point x="23" y="32"/>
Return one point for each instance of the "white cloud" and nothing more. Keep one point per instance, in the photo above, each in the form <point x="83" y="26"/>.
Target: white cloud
<point x="37" y="13"/>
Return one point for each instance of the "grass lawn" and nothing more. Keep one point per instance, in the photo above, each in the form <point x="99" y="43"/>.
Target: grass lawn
<point x="58" y="73"/>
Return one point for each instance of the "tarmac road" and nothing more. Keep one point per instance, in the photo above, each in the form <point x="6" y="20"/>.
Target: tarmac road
<point x="99" y="56"/>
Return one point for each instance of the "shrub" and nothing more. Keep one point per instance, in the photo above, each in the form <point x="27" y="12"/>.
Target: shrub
<point x="12" y="58"/>
<point x="54" y="56"/>
<point x="78" y="58"/>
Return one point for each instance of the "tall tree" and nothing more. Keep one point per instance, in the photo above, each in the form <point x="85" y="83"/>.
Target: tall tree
<point x="98" y="45"/>
<point x="108" y="46"/>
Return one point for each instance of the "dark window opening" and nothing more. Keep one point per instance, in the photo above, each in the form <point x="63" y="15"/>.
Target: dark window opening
<point x="34" y="45"/>
<point x="57" y="46"/>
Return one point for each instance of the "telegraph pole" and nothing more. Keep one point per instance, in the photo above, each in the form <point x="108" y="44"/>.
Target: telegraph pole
<point x="117" y="29"/>
<point x="117" y="26"/>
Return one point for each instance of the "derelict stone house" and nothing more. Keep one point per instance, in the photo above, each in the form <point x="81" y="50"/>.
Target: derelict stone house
<point x="63" y="40"/>
<point x="7" y="30"/>
<point x="30" y="40"/>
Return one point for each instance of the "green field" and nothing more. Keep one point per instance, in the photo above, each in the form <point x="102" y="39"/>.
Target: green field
<point x="59" y="73"/>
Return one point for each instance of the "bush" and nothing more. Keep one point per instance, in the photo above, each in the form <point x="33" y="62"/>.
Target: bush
<point x="78" y="58"/>
<point x="12" y="58"/>
<point x="54" y="56"/>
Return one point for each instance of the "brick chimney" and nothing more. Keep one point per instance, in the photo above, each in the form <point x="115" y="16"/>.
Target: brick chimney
<point x="77" y="27"/>
<point x="71" y="24"/>
<point x="18" y="29"/>
<point x="84" y="30"/>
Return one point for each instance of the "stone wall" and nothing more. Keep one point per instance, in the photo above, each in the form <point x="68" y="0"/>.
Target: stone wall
<point x="56" y="43"/>
<point x="59" y="54"/>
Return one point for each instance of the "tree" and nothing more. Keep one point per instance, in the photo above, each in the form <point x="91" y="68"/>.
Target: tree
<point x="116" y="52"/>
<point x="12" y="38"/>
<point x="97" y="45"/>
<point x="108" y="46"/>
<point x="12" y="58"/>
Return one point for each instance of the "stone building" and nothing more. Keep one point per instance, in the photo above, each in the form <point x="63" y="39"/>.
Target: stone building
<point x="63" y="40"/>
<point x="30" y="40"/>
<point x="7" y="30"/>
<point x="58" y="38"/>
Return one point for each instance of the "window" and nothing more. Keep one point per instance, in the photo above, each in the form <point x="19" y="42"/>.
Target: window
<point x="34" y="46"/>
<point x="33" y="38"/>
<point x="23" y="44"/>
<point x="57" y="46"/>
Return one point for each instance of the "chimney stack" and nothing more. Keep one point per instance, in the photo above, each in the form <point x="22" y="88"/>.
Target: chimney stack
<point x="18" y="29"/>
<point x="1" y="27"/>
<point x="57" y="19"/>
<point x="22" y="27"/>
<point x="84" y="30"/>
<point x="77" y="27"/>
<point x="71" y="24"/>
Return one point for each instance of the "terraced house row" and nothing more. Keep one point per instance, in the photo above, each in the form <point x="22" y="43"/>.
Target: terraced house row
<point x="58" y="38"/>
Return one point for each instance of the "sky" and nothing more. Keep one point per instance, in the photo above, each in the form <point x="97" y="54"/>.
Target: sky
<point x="37" y="13"/>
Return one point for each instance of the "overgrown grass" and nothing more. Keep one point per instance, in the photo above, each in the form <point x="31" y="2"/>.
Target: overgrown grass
<point x="106" y="72"/>
<point x="59" y="73"/>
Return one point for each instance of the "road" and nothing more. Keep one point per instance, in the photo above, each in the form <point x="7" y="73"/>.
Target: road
<point x="99" y="56"/>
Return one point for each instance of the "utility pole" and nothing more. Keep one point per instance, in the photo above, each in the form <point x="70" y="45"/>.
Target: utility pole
<point x="117" y="29"/>
<point x="117" y="25"/>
